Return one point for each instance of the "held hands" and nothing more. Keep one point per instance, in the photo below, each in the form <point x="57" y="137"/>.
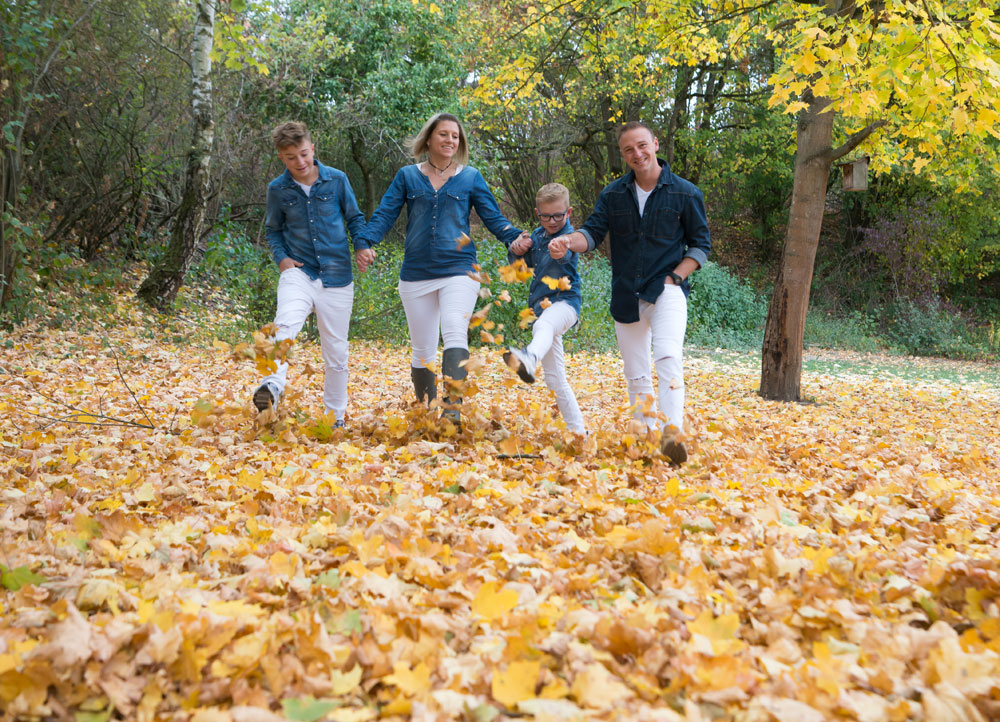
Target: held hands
<point x="558" y="246"/>
<point x="522" y="244"/>
<point x="365" y="257"/>
<point x="287" y="263"/>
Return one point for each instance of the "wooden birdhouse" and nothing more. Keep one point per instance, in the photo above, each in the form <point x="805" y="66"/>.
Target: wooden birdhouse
<point x="856" y="174"/>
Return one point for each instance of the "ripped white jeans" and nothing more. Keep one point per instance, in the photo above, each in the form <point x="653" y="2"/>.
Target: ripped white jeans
<point x="661" y="327"/>
<point x="298" y="296"/>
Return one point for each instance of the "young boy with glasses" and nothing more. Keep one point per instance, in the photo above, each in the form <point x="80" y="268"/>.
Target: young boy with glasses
<point x="556" y="303"/>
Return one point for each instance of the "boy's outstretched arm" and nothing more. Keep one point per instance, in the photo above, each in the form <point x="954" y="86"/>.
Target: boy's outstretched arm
<point x="574" y="241"/>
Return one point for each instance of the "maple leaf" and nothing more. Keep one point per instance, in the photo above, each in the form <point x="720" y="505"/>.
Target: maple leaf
<point x="306" y="709"/>
<point x="412" y="682"/>
<point x="462" y="241"/>
<point x="562" y="283"/>
<point x="516" y="272"/>
<point x="492" y="603"/>
<point x="479" y="316"/>
<point x="716" y="635"/>
<point x="516" y="683"/>
<point x="596" y="687"/>
<point x="14" y="579"/>
<point x="527" y="317"/>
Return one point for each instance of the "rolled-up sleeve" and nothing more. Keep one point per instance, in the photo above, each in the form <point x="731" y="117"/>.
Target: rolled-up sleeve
<point x="696" y="235"/>
<point x="596" y="226"/>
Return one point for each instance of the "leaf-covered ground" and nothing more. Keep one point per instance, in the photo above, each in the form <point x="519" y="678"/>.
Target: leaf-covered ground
<point x="830" y="560"/>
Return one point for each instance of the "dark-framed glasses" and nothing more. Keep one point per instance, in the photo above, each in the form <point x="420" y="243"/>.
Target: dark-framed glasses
<point x="551" y="216"/>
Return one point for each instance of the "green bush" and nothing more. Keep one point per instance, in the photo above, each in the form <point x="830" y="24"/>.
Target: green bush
<point x="931" y="329"/>
<point x="245" y="271"/>
<point x="723" y="310"/>
<point x="378" y="312"/>
<point x="858" y="331"/>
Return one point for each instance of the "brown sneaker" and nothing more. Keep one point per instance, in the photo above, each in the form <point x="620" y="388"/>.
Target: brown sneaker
<point x="672" y="448"/>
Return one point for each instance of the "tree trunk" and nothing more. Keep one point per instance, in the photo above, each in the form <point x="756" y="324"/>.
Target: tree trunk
<point x="10" y="181"/>
<point x="164" y="281"/>
<point x="359" y="152"/>
<point x="781" y="365"/>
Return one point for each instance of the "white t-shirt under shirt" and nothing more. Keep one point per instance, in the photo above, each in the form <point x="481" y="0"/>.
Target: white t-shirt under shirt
<point x="641" y="196"/>
<point x="305" y="188"/>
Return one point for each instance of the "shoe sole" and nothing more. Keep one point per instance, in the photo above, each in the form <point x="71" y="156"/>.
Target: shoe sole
<point x="674" y="451"/>
<point x="515" y="365"/>
<point x="262" y="399"/>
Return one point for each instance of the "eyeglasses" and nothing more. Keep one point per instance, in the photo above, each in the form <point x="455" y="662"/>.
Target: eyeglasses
<point x="551" y="216"/>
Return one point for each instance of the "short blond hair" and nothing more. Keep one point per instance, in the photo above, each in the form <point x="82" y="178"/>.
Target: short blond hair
<point x="418" y="147"/>
<point x="633" y="125"/>
<point x="290" y="133"/>
<point x="552" y="192"/>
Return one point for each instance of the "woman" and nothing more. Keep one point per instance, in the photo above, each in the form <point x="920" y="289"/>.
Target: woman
<point x="438" y="294"/>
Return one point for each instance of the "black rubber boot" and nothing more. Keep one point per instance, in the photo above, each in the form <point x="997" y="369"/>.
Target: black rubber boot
<point x="424" y="384"/>
<point x="451" y="368"/>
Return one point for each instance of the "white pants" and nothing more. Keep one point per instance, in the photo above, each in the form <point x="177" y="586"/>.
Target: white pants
<point x="298" y="296"/>
<point x="661" y="325"/>
<point x="546" y="345"/>
<point x="438" y="308"/>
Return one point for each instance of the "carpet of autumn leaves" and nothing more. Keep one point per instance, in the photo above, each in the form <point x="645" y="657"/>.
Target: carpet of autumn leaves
<point x="830" y="560"/>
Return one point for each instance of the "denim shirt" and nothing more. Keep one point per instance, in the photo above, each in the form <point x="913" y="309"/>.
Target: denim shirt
<point x="644" y="250"/>
<point x="435" y="220"/>
<point x="538" y="258"/>
<point x="313" y="229"/>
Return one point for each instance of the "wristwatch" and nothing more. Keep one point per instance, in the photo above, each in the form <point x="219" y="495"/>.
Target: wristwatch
<point x="675" y="278"/>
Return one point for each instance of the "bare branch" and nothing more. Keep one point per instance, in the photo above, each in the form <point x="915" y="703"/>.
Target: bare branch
<point x="855" y="140"/>
<point x="131" y="392"/>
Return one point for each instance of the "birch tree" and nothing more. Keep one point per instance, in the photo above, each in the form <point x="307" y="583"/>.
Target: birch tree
<point x="165" y="279"/>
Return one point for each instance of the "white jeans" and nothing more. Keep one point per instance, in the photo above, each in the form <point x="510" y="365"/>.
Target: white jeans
<point x="298" y="296"/>
<point x="437" y="308"/>
<point x="661" y="325"/>
<point x="546" y="345"/>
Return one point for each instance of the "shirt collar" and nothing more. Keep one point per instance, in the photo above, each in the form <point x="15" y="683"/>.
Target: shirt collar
<point x="325" y="173"/>
<point x="666" y="177"/>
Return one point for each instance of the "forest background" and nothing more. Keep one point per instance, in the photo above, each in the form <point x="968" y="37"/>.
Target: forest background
<point x="96" y="120"/>
<point x="166" y="552"/>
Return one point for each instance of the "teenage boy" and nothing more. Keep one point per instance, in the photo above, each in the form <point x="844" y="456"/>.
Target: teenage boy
<point x="310" y="208"/>
<point x="659" y="236"/>
<point x="557" y="308"/>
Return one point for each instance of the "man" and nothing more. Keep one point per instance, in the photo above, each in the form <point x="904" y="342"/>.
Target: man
<point x="659" y="236"/>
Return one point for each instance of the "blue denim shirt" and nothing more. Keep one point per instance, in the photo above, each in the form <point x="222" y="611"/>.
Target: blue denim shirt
<point x="313" y="230"/>
<point x="539" y="259"/>
<point x="435" y="220"/>
<point x="644" y="250"/>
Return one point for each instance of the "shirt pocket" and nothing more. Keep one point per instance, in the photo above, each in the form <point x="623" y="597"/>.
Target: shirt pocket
<point x="621" y="221"/>
<point x="326" y="203"/>
<point x="667" y="226"/>
<point x="291" y="209"/>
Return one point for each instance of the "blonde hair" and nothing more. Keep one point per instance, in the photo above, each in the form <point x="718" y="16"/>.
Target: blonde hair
<point x="291" y="133"/>
<point x="419" y="145"/>
<point x="552" y="192"/>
